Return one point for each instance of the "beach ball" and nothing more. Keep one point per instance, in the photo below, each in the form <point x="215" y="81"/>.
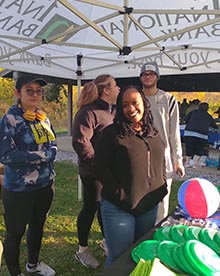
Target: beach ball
<point x="198" y="197"/>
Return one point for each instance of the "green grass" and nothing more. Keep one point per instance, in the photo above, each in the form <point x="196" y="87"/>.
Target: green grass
<point x="173" y="196"/>
<point x="61" y="131"/>
<point x="60" y="233"/>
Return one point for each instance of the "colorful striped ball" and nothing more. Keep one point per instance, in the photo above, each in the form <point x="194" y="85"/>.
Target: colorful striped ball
<point x="199" y="198"/>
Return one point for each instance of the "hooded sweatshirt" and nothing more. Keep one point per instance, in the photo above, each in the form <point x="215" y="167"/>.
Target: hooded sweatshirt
<point x="27" y="149"/>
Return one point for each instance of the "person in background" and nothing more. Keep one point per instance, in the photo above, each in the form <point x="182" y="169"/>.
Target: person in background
<point x="218" y="113"/>
<point x="165" y="111"/>
<point x="94" y="114"/>
<point x="27" y="149"/>
<point x="183" y="107"/>
<point x="193" y="105"/>
<point x="196" y="132"/>
<point x="130" y="164"/>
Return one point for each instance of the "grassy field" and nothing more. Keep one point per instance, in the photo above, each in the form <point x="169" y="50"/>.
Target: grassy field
<point x="60" y="236"/>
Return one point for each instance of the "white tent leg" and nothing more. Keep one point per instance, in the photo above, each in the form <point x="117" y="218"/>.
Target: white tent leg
<point x="70" y="109"/>
<point x="79" y="74"/>
<point x="79" y="188"/>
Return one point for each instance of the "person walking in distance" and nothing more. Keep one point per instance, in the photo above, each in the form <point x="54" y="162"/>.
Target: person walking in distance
<point x="165" y="111"/>
<point x="27" y="149"/>
<point x="94" y="114"/>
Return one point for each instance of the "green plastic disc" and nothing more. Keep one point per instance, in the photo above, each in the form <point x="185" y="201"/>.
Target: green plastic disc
<point x="217" y="237"/>
<point x="162" y="234"/>
<point x="206" y="235"/>
<point x="164" y="253"/>
<point x="183" y="262"/>
<point x="134" y="255"/>
<point x="177" y="260"/>
<point x="176" y="233"/>
<point x="145" y="250"/>
<point x="192" y="233"/>
<point x="202" y="258"/>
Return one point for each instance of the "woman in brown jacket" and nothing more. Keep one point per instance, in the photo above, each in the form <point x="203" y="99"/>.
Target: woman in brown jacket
<point x="94" y="114"/>
<point x="130" y="164"/>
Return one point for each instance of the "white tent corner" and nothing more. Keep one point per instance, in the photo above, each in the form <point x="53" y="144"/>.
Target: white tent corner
<point x="45" y="37"/>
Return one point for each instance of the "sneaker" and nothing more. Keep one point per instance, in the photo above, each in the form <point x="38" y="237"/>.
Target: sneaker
<point x="202" y="164"/>
<point x="196" y="166"/>
<point x="104" y="247"/>
<point x="41" y="269"/>
<point x="86" y="259"/>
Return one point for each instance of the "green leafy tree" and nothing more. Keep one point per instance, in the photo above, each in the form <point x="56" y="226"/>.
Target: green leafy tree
<point x="55" y="93"/>
<point x="6" y="94"/>
<point x="6" y="90"/>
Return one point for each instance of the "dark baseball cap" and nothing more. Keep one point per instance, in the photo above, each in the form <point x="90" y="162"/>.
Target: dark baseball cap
<point x="24" y="79"/>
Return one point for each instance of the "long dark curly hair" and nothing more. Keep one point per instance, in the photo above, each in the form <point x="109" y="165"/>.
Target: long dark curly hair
<point x="124" y="125"/>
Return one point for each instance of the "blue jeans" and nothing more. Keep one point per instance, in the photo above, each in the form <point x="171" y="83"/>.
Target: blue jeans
<point x="122" y="229"/>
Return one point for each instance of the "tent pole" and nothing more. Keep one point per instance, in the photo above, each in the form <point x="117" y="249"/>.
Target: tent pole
<point x="79" y="75"/>
<point x="15" y="76"/>
<point x="125" y="25"/>
<point x="70" y="109"/>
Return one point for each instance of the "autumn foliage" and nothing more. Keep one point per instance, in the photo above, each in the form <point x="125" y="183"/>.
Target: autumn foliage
<point x="55" y="101"/>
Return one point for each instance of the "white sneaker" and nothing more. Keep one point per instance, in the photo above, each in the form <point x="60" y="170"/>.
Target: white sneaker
<point x="41" y="269"/>
<point x="202" y="164"/>
<point x="86" y="258"/>
<point x="104" y="247"/>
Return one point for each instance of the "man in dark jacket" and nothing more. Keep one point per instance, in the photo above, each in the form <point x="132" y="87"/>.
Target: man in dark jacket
<point x="196" y="132"/>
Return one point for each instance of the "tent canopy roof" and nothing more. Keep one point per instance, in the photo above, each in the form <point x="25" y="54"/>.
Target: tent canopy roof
<point x="67" y="38"/>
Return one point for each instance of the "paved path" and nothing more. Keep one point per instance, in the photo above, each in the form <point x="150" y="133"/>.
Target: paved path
<point x="65" y="143"/>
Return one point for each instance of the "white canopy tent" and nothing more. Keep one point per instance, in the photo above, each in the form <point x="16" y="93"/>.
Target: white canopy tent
<point x="47" y="37"/>
<point x="79" y="40"/>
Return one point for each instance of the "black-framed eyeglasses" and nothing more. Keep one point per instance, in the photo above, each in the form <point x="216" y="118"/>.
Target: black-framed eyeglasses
<point x="150" y="74"/>
<point x="31" y="92"/>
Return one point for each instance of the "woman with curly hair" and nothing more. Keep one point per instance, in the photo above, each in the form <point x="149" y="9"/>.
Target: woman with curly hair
<point x="130" y="164"/>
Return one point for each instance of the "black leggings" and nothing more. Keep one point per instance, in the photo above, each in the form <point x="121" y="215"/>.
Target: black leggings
<point x="22" y="209"/>
<point x="90" y="205"/>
